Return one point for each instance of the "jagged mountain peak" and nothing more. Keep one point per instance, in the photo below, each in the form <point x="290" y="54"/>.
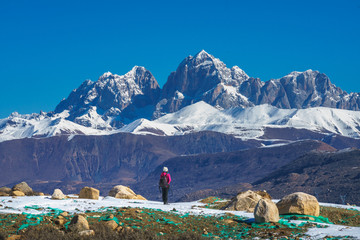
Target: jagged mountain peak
<point x="111" y="94"/>
<point x="203" y="55"/>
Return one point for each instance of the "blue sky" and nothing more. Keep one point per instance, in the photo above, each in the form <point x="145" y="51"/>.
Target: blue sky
<point x="48" y="48"/>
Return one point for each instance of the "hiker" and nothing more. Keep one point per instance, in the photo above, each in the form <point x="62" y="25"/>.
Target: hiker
<point x="164" y="184"/>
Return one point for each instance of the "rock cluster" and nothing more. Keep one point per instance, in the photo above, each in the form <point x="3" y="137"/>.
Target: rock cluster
<point x="20" y="189"/>
<point x="246" y="201"/>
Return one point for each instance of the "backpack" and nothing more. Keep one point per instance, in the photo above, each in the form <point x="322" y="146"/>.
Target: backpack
<point x="163" y="183"/>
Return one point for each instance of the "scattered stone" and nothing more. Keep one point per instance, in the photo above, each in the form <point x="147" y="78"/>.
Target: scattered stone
<point x="89" y="193"/>
<point x="5" y="190"/>
<point x="111" y="224"/>
<point x="17" y="193"/>
<point x="244" y="201"/>
<point x="119" y="229"/>
<point x="39" y="194"/>
<point x="64" y="214"/>
<point x="87" y="233"/>
<point x="58" y="195"/>
<point x="23" y="187"/>
<point x="123" y="192"/>
<point x="78" y="223"/>
<point x="229" y="221"/>
<point x="59" y="220"/>
<point x="299" y="203"/>
<point x="266" y="211"/>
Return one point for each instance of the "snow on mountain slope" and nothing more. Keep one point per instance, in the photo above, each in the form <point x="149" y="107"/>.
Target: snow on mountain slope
<point x="250" y="122"/>
<point x="19" y="126"/>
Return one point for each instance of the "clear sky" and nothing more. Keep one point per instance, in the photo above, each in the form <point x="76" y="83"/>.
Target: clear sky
<point x="48" y="48"/>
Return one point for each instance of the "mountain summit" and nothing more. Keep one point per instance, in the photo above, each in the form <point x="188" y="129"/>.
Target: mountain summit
<point x="202" y="78"/>
<point x="112" y="96"/>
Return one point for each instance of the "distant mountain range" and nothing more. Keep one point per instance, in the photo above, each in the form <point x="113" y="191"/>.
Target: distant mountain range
<point x="229" y="100"/>
<point x="208" y="121"/>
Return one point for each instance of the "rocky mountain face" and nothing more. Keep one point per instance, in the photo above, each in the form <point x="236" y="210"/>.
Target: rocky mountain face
<point x="118" y="100"/>
<point x="115" y="98"/>
<point x="205" y="78"/>
<point x="202" y="78"/>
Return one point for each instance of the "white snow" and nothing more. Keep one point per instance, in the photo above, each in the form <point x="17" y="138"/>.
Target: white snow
<point x="248" y="123"/>
<point x="17" y="206"/>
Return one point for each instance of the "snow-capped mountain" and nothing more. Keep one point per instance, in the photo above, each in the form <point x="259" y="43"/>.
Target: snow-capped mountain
<point x="201" y="95"/>
<point x="115" y="98"/>
<point x="205" y="78"/>
<point x="249" y="123"/>
<point x="18" y="126"/>
<point x="202" y="78"/>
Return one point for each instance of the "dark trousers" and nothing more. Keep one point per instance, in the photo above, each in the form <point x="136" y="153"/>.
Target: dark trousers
<point x="165" y="192"/>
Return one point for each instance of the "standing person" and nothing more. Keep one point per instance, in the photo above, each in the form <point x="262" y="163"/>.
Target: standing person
<point x="164" y="184"/>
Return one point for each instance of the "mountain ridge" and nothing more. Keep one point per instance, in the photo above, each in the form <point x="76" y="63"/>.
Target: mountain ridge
<point x="115" y="102"/>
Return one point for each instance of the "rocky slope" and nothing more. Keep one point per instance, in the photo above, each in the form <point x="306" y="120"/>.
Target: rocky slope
<point x="115" y="98"/>
<point x="212" y="171"/>
<point x="333" y="177"/>
<point x="330" y="176"/>
<point x="114" y="159"/>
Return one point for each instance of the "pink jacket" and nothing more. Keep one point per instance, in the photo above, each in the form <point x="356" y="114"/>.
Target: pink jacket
<point x="168" y="177"/>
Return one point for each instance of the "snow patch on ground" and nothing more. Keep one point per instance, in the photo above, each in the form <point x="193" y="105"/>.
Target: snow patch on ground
<point x="17" y="206"/>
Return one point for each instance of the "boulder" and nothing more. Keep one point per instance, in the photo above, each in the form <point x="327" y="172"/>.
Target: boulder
<point x="2" y="194"/>
<point x="78" y="223"/>
<point x="23" y="187"/>
<point x="123" y="192"/>
<point x="17" y="193"/>
<point x="5" y="190"/>
<point x="244" y="201"/>
<point x="58" y="195"/>
<point x="111" y="224"/>
<point x="89" y="193"/>
<point x="299" y="203"/>
<point x="59" y="220"/>
<point x="266" y="211"/>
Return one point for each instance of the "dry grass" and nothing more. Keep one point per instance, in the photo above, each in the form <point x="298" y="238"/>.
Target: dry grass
<point x="341" y="216"/>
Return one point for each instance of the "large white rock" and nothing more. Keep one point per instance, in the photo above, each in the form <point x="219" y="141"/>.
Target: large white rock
<point x="58" y="195"/>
